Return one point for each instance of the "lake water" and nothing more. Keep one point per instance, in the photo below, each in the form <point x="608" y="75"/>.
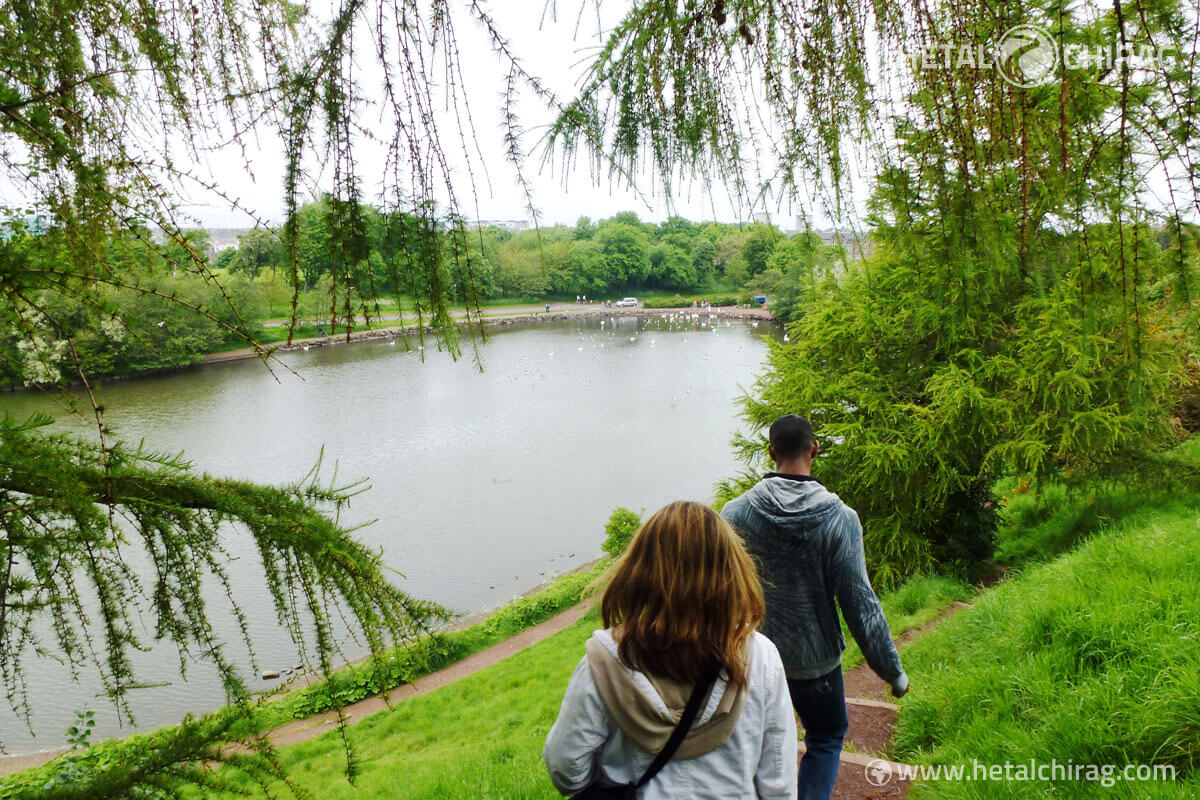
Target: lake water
<point x="483" y="483"/>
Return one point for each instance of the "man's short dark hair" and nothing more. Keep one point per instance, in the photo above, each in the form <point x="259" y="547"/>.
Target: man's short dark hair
<point x="791" y="435"/>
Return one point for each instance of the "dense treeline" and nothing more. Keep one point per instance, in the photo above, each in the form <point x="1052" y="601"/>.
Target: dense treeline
<point x="169" y="303"/>
<point x="621" y="254"/>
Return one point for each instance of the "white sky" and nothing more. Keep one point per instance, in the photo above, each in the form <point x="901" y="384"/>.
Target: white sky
<point x="555" y="46"/>
<point x="555" y="42"/>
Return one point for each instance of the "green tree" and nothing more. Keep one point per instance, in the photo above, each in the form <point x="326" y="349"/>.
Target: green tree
<point x="679" y="226"/>
<point x="258" y="249"/>
<point x="588" y="269"/>
<point x="803" y="261"/>
<point x="759" y="246"/>
<point x="626" y="254"/>
<point x="765" y="282"/>
<point x="585" y="228"/>
<point x="619" y="530"/>
<point x="225" y="258"/>
<point x="627" y="218"/>
<point x="704" y="260"/>
<point x="671" y="267"/>
<point x="526" y="264"/>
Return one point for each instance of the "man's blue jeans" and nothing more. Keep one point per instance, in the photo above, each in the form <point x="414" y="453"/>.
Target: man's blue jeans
<point x="821" y="704"/>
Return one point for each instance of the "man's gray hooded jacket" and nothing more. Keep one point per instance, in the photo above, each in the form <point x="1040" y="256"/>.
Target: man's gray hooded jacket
<point x="808" y="545"/>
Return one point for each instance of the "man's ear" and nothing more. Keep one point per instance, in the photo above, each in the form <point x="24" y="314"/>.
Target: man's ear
<point x="815" y="448"/>
<point x="771" y="454"/>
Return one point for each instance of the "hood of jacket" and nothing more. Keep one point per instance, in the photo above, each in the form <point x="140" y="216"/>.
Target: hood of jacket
<point x="792" y="503"/>
<point x="648" y="708"/>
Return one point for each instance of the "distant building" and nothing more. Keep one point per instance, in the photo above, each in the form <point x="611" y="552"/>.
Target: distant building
<point x="221" y="238"/>
<point x="514" y="225"/>
<point x="857" y="247"/>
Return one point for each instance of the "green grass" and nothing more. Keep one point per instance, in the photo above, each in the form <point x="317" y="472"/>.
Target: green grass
<point x="1040" y="523"/>
<point x="278" y="333"/>
<point x="478" y="738"/>
<point x="916" y="602"/>
<point x="482" y="737"/>
<point x="1093" y="658"/>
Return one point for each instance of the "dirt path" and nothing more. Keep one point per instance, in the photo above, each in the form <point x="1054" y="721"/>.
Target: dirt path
<point x="303" y="729"/>
<point x="308" y="728"/>
<point x="867" y="773"/>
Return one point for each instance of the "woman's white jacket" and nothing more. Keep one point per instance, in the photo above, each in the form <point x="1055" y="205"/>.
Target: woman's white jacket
<point x="758" y="760"/>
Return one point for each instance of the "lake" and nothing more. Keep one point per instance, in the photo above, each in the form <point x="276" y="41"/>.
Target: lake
<point x="483" y="483"/>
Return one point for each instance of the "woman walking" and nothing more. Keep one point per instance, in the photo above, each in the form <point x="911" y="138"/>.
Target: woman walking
<point x="680" y="616"/>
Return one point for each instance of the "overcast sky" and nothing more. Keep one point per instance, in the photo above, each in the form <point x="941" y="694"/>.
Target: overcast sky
<point x="555" y="47"/>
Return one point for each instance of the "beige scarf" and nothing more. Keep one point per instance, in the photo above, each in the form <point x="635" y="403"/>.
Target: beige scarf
<point x="643" y="722"/>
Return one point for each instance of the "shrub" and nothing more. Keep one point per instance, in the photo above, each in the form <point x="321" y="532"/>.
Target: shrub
<point x="620" y="529"/>
<point x="728" y="300"/>
<point x="666" y="302"/>
<point x="679" y="301"/>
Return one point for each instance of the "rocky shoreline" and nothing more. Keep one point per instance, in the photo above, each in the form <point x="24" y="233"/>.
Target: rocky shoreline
<point x="566" y="314"/>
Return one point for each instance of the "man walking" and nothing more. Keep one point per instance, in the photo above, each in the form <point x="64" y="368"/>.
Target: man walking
<point x="809" y="548"/>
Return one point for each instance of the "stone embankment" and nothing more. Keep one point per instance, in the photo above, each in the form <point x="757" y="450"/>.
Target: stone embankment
<point x="530" y="316"/>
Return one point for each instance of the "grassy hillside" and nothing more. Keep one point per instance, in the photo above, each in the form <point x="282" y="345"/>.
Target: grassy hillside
<point x="475" y="739"/>
<point x="482" y="737"/>
<point x="1092" y="658"/>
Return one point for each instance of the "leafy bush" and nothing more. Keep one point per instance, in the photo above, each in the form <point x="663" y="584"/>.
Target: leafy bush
<point x="679" y="301"/>
<point x="666" y="302"/>
<point x="398" y="667"/>
<point x="621" y="527"/>
<point x="728" y="300"/>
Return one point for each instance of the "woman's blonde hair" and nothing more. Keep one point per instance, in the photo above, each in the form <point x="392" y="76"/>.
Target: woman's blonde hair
<point x="685" y="597"/>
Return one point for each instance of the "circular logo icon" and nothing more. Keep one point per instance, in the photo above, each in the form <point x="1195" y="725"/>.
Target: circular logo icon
<point x="1026" y="56"/>
<point x="878" y="772"/>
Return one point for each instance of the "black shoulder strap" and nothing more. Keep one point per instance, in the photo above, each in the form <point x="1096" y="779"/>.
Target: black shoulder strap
<point x="699" y="693"/>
